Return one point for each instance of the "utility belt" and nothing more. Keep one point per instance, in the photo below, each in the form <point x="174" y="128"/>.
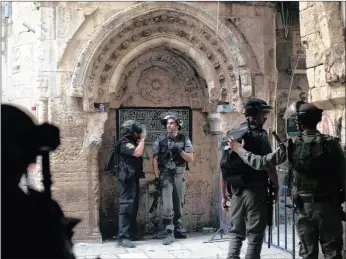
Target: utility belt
<point x="177" y="170"/>
<point x="241" y="180"/>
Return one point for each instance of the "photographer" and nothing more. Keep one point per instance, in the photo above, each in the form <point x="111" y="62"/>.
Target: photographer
<point x="32" y="219"/>
<point x="129" y="150"/>
<point x="171" y="153"/>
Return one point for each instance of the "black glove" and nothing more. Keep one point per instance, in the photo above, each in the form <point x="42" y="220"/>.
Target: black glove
<point x="157" y="183"/>
<point x="176" y="149"/>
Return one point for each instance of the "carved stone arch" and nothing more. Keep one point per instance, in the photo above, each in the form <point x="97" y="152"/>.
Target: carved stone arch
<point x="179" y="25"/>
<point x="154" y="72"/>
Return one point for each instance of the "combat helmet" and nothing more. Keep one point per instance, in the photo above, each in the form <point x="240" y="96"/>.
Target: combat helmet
<point x="254" y="106"/>
<point x="174" y="116"/>
<point x="131" y="126"/>
<point x="303" y="111"/>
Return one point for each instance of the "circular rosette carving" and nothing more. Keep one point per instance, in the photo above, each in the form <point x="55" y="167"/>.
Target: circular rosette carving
<point x="155" y="84"/>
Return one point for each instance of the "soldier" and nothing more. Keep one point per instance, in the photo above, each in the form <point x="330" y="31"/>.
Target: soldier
<point x="30" y="218"/>
<point x="170" y="154"/>
<point x="130" y="150"/>
<point x="246" y="186"/>
<point x="318" y="182"/>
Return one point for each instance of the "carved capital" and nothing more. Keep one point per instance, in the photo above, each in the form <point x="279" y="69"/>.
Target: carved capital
<point x="215" y="123"/>
<point x="42" y="85"/>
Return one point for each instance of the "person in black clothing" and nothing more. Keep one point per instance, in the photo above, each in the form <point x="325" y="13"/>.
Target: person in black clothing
<point x="246" y="186"/>
<point x="30" y="220"/>
<point x="130" y="150"/>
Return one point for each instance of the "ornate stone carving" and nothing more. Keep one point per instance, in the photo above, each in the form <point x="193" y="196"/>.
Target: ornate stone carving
<point x="125" y="44"/>
<point x="179" y="23"/>
<point x="135" y="37"/>
<point x="159" y="67"/>
<point x="154" y="84"/>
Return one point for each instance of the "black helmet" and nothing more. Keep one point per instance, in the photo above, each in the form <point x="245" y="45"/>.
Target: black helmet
<point x="174" y="116"/>
<point x="131" y="126"/>
<point x="304" y="113"/>
<point x="254" y="106"/>
<point x="309" y="112"/>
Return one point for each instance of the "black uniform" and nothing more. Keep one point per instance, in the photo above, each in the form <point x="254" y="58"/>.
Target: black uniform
<point x="130" y="168"/>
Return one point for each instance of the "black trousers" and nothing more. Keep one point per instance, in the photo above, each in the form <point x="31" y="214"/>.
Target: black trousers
<point x="129" y="200"/>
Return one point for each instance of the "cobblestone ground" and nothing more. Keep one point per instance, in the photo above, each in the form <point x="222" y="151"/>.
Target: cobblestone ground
<point x="193" y="247"/>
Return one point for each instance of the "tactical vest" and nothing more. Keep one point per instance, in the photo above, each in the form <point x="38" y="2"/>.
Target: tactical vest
<point x="165" y="154"/>
<point x="234" y="171"/>
<point x="313" y="168"/>
<point x="126" y="167"/>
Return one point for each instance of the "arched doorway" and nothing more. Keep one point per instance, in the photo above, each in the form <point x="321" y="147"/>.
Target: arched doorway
<point x="159" y="55"/>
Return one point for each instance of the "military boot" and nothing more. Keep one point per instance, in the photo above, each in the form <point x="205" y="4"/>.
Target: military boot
<point x="126" y="243"/>
<point x="169" y="239"/>
<point x="136" y="237"/>
<point x="178" y="234"/>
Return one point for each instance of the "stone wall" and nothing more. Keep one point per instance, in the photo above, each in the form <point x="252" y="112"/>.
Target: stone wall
<point x="74" y="56"/>
<point x="322" y="33"/>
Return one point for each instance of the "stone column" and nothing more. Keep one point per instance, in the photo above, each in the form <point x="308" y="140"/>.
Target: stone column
<point x="42" y="99"/>
<point x="214" y="120"/>
<point x="93" y="142"/>
<point x="35" y="176"/>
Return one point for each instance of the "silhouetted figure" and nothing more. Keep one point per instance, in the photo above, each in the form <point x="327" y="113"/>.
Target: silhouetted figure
<point x="32" y="224"/>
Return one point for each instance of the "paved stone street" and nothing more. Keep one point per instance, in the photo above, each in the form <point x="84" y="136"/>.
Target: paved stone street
<point x="193" y="247"/>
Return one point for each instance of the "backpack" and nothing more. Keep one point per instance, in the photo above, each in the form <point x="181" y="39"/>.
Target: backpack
<point x="311" y="155"/>
<point x="113" y="161"/>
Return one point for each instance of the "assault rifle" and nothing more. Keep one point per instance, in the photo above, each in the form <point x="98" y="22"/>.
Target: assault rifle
<point x="156" y="196"/>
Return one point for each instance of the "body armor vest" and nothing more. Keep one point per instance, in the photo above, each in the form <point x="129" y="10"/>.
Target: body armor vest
<point x="165" y="155"/>
<point x="129" y="166"/>
<point x="312" y="162"/>
<point x="234" y="171"/>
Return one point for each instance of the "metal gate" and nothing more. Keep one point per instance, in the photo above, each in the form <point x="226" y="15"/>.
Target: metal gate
<point x="151" y="118"/>
<point x="282" y="235"/>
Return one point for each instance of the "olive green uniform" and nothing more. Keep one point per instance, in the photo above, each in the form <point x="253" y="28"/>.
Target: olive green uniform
<point x="172" y="180"/>
<point x="319" y="217"/>
<point x="249" y="202"/>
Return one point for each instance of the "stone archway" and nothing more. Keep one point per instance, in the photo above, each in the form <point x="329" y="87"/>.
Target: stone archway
<point x="105" y="67"/>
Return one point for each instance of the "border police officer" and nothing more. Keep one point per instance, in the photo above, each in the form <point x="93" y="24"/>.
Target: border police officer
<point x="248" y="187"/>
<point x="170" y="153"/>
<point x="318" y="180"/>
<point x="130" y="150"/>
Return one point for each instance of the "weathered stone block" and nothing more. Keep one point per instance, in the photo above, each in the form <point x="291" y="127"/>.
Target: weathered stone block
<point x="69" y="154"/>
<point x="269" y="24"/>
<point x="335" y="65"/>
<point x="319" y="76"/>
<point x="239" y="10"/>
<point x="251" y="28"/>
<point x="337" y="95"/>
<point x="68" y="21"/>
<point x="305" y="5"/>
<point x="47" y="23"/>
<point x="46" y="55"/>
<point x="310" y="73"/>
<point x="61" y="178"/>
<point x="308" y="21"/>
<point x="314" y="50"/>
<point x="321" y="97"/>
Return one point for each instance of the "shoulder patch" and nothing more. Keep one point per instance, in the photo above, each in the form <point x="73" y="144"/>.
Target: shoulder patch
<point x="130" y="146"/>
